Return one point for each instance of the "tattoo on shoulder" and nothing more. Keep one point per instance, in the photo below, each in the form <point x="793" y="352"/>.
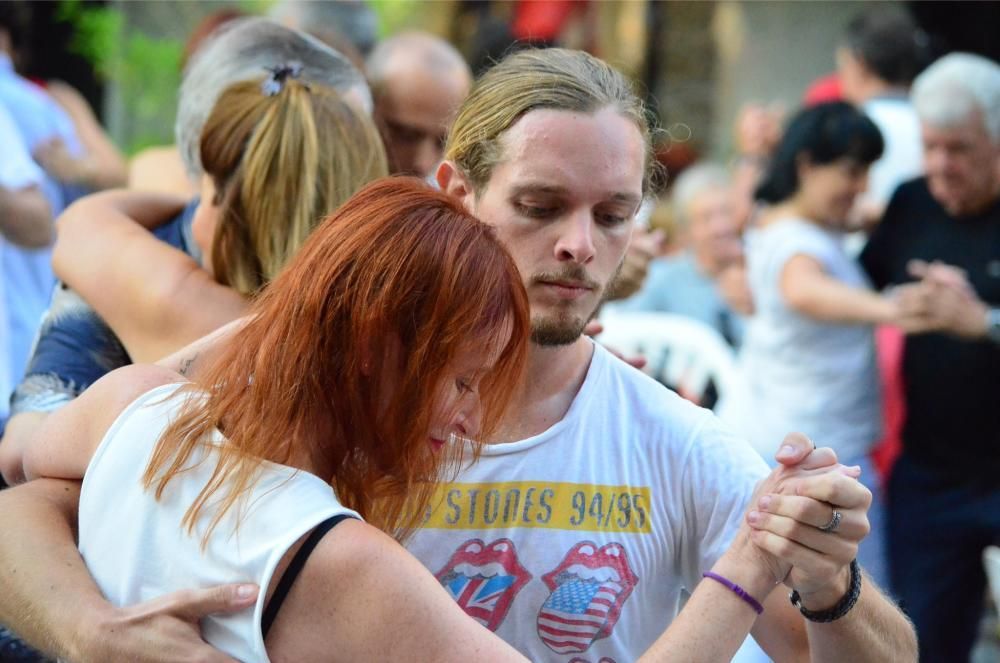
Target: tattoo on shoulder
<point x="186" y="364"/>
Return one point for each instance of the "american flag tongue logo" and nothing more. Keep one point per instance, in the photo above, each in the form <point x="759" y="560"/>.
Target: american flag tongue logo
<point x="588" y="588"/>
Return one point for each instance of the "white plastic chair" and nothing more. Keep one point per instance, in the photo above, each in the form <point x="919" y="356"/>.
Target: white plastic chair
<point x="682" y="353"/>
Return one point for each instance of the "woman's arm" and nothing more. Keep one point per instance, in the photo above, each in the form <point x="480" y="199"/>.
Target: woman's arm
<point x="68" y="437"/>
<point x="361" y="597"/>
<point x="17" y="436"/>
<point x="809" y="290"/>
<point x="155" y="297"/>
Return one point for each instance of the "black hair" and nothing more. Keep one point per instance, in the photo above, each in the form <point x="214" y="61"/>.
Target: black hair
<point x="889" y="43"/>
<point x="823" y="134"/>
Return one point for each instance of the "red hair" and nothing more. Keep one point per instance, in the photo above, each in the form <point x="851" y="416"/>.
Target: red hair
<point x="396" y="282"/>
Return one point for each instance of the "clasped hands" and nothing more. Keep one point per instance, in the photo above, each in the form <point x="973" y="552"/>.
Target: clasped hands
<point x="790" y="531"/>
<point x="942" y="300"/>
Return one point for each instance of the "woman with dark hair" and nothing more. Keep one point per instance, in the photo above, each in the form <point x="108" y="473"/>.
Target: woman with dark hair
<point x="808" y="359"/>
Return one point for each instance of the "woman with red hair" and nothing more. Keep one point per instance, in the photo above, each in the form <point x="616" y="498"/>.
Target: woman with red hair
<point x="392" y="338"/>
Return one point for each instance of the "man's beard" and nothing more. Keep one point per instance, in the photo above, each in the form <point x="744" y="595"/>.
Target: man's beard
<point x="565" y="327"/>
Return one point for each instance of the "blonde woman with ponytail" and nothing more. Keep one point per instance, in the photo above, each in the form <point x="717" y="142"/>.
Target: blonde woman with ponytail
<point x="278" y="155"/>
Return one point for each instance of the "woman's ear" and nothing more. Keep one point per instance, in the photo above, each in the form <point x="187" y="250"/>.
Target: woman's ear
<point x="803" y="165"/>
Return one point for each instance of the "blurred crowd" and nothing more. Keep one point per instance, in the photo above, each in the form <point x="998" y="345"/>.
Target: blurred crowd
<point x="846" y="259"/>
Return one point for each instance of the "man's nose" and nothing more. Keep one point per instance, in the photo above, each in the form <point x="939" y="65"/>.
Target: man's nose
<point x="576" y="241"/>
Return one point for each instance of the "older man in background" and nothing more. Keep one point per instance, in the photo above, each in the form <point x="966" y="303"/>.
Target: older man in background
<point x="709" y="236"/>
<point x="418" y="82"/>
<point x="944" y="493"/>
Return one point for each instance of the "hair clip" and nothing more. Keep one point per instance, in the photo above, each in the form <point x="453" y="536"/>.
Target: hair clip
<point x="274" y="83"/>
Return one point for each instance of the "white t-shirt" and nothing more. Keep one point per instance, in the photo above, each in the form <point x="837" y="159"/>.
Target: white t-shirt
<point x="575" y="544"/>
<point x="136" y="548"/>
<point x="17" y="171"/>
<point x="797" y="373"/>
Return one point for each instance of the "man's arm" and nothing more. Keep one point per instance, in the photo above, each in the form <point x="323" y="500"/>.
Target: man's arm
<point x="103" y="165"/>
<point x="25" y="217"/>
<point x="50" y="600"/>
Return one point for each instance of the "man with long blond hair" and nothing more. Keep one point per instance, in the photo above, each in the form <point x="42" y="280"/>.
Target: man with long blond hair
<point x="602" y="497"/>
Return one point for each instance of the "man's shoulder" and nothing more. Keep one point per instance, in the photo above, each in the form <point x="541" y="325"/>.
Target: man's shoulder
<point x="914" y="193"/>
<point x="647" y="404"/>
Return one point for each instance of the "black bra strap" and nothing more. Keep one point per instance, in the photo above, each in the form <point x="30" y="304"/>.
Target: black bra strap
<point x="293" y="570"/>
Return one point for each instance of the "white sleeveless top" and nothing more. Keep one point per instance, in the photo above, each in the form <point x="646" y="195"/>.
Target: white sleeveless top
<point x="136" y="548"/>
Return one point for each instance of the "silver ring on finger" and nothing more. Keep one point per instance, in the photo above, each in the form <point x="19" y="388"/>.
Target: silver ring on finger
<point x="834" y="523"/>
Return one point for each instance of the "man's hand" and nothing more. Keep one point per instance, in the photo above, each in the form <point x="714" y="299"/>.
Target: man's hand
<point x="942" y="301"/>
<point x="165" y="629"/>
<point x="941" y="274"/>
<point x="789" y="527"/>
<point x="644" y="247"/>
<point x="594" y="327"/>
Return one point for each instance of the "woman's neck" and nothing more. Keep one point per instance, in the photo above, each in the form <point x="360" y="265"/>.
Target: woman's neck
<point x="790" y="208"/>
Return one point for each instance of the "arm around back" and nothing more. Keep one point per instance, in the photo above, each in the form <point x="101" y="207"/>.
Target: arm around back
<point x="156" y="298"/>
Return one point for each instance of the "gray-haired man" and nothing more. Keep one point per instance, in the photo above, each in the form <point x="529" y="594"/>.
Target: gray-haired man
<point x="944" y="493"/>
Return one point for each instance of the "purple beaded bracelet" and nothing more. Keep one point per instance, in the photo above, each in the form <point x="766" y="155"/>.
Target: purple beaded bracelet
<point x="739" y="591"/>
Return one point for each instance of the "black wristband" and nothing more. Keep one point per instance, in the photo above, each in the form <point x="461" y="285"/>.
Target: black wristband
<point x="843" y="606"/>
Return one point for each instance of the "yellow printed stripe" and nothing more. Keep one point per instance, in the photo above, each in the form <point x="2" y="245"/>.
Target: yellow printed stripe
<point x="566" y="506"/>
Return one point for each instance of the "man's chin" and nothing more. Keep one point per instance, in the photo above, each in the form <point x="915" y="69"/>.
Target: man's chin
<point x="554" y="333"/>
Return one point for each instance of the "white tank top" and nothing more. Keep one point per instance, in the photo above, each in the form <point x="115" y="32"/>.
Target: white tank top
<point x="137" y="550"/>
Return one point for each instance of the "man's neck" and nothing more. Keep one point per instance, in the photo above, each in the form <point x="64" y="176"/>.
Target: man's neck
<point x="876" y="88"/>
<point x="552" y="379"/>
<point x="983" y="204"/>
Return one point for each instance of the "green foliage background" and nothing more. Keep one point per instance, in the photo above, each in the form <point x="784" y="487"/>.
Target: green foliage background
<point x="141" y="62"/>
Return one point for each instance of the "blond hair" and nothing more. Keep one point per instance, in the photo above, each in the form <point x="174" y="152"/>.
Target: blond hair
<point x="280" y="163"/>
<point x="552" y="78"/>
